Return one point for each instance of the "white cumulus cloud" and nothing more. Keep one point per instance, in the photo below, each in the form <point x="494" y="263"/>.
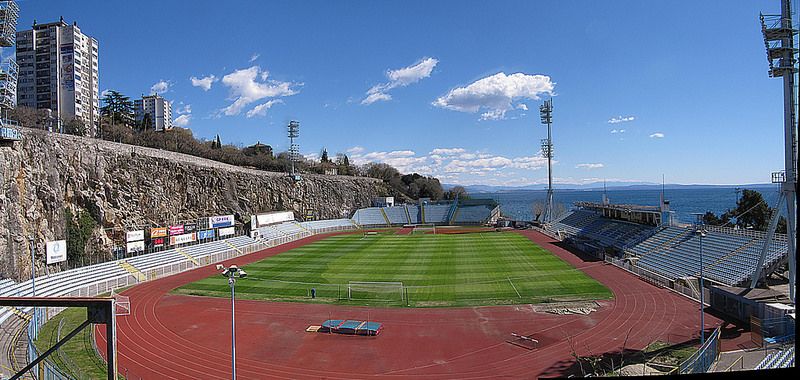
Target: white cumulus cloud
<point x="400" y="78"/>
<point x="657" y="135"/>
<point x="589" y="166"/>
<point x="245" y="88"/>
<point x="261" y="109"/>
<point x="204" y="82"/>
<point x="614" y="131"/>
<point x="181" y="108"/>
<point x="182" y="120"/>
<point x="495" y="94"/>
<point x="447" y="151"/>
<point x="254" y="57"/>
<point x="620" y="119"/>
<point x="161" y="87"/>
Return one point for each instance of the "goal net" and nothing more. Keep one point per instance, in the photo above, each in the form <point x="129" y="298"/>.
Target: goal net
<point x="424" y="229"/>
<point x="378" y="291"/>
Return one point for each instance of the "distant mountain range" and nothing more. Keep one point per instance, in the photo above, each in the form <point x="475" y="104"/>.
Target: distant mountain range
<point x="599" y="185"/>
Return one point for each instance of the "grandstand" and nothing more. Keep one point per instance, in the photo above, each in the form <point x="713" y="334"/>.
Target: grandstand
<point x="780" y="359"/>
<point x="102" y="278"/>
<point x="729" y="255"/>
<point x="462" y="212"/>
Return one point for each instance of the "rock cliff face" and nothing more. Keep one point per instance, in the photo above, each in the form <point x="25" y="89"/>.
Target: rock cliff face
<point x="124" y="186"/>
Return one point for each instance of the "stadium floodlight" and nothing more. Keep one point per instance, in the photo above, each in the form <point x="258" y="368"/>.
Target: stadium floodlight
<point x="232" y="273"/>
<point x="546" y="114"/>
<point x="700" y="230"/>
<point x="293" y="131"/>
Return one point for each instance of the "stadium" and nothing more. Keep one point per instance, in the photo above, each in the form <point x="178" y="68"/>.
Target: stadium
<point x="466" y="306"/>
<point x="419" y="289"/>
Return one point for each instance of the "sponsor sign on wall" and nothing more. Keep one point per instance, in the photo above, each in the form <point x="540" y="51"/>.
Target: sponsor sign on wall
<point x="205" y="234"/>
<point x="227" y="231"/>
<point x="175" y="230"/>
<point x="158" y="242"/>
<point x="135" y="235"/>
<point x="220" y="221"/>
<point x="271" y="218"/>
<point x="56" y="251"/>
<point x="189" y="227"/>
<point x="135" y="246"/>
<point x="183" y="239"/>
<point x="158" y="232"/>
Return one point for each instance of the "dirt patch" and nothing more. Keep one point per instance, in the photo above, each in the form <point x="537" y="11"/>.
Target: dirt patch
<point x="567" y="308"/>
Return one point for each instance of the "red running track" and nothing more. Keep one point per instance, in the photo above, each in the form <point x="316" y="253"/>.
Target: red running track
<point x="184" y="337"/>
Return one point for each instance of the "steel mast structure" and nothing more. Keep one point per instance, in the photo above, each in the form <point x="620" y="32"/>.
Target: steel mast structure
<point x="779" y="34"/>
<point x="546" y="114"/>
<point x="294" y="149"/>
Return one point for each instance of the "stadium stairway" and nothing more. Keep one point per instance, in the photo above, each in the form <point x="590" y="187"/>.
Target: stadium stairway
<point x="422" y="213"/>
<point x="132" y="270"/>
<point x="237" y="248"/>
<point x="188" y="256"/>
<point x="408" y="214"/>
<point x="386" y="218"/>
<point x="302" y="227"/>
<point x="454" y="216"/>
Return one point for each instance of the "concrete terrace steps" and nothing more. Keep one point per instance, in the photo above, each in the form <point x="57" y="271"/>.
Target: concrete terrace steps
<point x="132" y="270"/>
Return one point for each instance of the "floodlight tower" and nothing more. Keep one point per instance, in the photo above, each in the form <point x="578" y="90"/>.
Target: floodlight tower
<point x="779" y="34"/>
<point x="294" y="149"/>
<point x="546" y="114"/>
<point x="232" y="274"/>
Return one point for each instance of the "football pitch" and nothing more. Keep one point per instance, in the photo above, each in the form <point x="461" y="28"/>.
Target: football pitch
<point x="411" y="270"/>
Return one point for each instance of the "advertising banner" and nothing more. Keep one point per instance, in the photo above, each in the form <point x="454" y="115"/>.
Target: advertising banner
<point x="158" y="232"/>
<point x="205" y="234"/>
<point x="135" y="246"/>
<point x="158" y="242"/>
<point x="226" y="231"/>
<point x="135" y="236"/>
<point x="189" y="227"/>
<point x="183" y="239"/>
<point x="175" y="230"/>
<point x="271" y="218"/>
<point x="56" y="251"/>
<point x="220" y="221"/>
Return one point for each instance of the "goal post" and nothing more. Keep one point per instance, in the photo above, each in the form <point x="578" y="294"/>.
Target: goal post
<point x="375" y="290"/>
<point x="424" y="229"/>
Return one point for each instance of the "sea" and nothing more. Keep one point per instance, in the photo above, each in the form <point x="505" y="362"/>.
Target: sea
<point x="518" y="204"/>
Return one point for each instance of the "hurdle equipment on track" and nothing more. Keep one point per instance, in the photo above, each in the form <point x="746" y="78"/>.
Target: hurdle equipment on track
<point x="351" y="327"/>
<point x="524" y="341"/>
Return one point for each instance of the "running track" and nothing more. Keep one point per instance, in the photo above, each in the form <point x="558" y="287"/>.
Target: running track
<point x="171" y="336"/>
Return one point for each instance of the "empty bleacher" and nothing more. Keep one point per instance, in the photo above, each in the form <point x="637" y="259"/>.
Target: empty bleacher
<point x="320" y="226"/>
<point x="729" y="258"/>
<point x="593" y="226"/>
<point x="413" y="214"/>
<point x="397" y="215"/>
<point x="780" y="359"/>
<point x="471" y="215"/>
<point x="436" y="214"/>
<point x="370" y="216"/>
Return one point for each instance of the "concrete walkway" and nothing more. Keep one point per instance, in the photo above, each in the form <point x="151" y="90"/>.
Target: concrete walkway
<point x="741" y="360"/>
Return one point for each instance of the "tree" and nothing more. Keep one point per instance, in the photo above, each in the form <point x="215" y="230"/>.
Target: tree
<point x="218" y="145"/>
<point x="711" y="219"/>
<point x="459" y="191"/>
<point x="147" y="122"/>
<point x="118" y="107"/>
<point x="751" y="211"/>
<point x="75" y="127"/>
<point x="324" y="156"/>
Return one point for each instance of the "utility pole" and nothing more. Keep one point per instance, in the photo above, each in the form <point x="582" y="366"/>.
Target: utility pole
<point x="546" y="114"/>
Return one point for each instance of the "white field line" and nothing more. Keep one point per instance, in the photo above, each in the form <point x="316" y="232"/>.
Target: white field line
<point x="515" y="288"/>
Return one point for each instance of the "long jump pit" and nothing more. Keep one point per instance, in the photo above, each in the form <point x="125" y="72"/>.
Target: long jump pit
<point x="186" y="337"/>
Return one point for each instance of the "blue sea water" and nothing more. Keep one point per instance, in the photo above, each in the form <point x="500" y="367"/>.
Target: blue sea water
<point x="518" y="204"/>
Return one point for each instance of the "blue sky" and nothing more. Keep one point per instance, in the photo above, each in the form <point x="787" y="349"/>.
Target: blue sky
<point x="441" y="87"/>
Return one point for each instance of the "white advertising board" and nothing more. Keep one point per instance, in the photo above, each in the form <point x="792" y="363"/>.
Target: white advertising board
<point x="227" y="231"/>
<point x="135" y="246"/>
<point x="56" y="251"/>
<point x="135" y="235"/>
<point x="220" y="221"/>
<point x="272" y="218"/>
<point x="182" y="239"/>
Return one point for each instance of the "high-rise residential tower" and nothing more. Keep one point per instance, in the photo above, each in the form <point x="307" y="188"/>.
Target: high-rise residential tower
<point x="58" y="71"/>
<point x="159" y="109"/>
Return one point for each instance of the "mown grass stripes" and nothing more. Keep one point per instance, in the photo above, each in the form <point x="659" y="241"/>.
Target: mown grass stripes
<point x="437" y="270"/>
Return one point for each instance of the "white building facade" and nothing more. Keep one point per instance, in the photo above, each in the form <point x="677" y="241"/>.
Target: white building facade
<point x="159" y="109"/>
<point x="58" y="70"/>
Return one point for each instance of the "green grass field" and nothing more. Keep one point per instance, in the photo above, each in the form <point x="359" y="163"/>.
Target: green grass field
<point x="435" y="270"/>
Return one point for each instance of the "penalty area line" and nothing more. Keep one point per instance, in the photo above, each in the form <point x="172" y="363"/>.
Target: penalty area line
<point x="512" y="285"/>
